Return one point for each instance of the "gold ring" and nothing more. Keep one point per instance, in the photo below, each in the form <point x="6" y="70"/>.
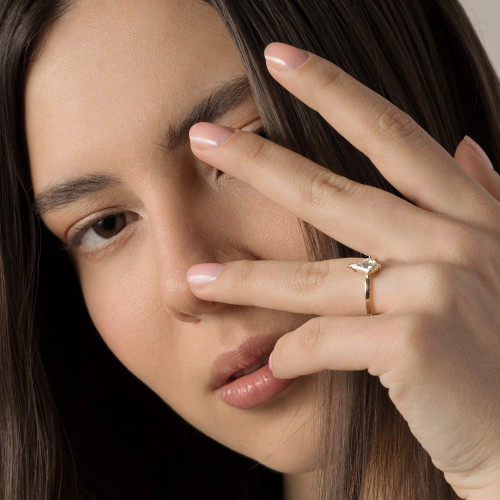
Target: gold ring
<point x="368" y="267"/>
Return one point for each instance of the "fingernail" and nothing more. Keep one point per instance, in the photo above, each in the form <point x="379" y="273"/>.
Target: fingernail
<point x="209" y="135"/>
<point x="270" y="362"/>
<point x="282" y="56"/>
<point x="478" y="149"/>
<point x="202" y="274"/>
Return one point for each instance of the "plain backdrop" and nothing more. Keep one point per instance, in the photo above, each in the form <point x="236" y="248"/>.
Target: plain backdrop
<point x="485" y="16"/>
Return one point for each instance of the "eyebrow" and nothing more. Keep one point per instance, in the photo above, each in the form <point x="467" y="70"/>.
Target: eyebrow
<point x="219" y="102"/>
<point x="70" y="190"/>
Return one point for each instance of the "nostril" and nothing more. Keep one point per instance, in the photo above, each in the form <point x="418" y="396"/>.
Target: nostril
<point x="186" y="318"/>
<point x="188" y="308"/>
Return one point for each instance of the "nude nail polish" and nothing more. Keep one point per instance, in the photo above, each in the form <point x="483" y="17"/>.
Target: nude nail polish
<point x="283" y="56"/>
<point x="209" y="135"/>
<point x="202" y="274"/>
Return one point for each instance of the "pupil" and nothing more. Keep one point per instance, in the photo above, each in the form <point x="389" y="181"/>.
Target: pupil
<point x="110" y="226"/>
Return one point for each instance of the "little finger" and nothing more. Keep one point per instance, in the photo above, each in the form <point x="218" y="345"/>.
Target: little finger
<point x="331" y="343"/>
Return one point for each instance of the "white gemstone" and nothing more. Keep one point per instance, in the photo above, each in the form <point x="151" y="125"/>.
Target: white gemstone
<point x="367" y="266"/>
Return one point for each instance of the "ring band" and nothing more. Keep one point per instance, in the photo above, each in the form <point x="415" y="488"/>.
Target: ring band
<point x="368" y="267"/>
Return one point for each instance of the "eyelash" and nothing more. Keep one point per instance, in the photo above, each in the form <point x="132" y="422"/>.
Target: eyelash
<point x="84" y="227"/>
<point x="81" y="230"/>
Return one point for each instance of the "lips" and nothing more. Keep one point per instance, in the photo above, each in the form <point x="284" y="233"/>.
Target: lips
<point x="242" y="377"/>
<point x="263" y="360"/>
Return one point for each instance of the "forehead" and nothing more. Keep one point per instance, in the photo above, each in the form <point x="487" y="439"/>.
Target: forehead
<point x="113" y="74"/>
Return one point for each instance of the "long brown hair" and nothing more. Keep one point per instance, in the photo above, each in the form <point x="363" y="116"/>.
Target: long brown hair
<point x="424" y="57"/>
<point x="30" y="458"/>
<point x="74" y="423"/>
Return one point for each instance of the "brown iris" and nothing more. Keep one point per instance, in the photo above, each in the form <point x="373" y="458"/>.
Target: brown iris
<point x="110" y="226"/>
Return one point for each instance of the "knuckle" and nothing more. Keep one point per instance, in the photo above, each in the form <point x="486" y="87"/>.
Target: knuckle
<point x="258" y="153"/>
<point x="461" y="244"/>
<point x="392" y="123"/>
<point x="323" y="186"/>
<point x="410" y="326"/>
<point x="242" y="275"/>
<point x="310" y="276"/>
<point x="309" y="340"/>
<point x="416" y="337"/>
<point x="332" y="79"/>
<point x="435" y="286"/>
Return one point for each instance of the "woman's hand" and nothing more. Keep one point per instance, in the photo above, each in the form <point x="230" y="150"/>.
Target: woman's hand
<point x="435" y="340"/>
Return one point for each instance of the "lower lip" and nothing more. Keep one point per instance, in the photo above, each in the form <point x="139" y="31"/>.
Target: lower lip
<point x="253" y="389"/>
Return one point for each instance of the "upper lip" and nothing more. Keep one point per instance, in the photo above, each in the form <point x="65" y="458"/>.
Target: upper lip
<point x="246" y="354"/>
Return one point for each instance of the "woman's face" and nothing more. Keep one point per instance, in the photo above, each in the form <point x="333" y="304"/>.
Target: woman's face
<point x="109" y="102"/>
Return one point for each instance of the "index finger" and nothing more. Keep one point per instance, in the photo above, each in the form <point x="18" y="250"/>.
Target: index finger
<point x="332" y="204"/>
<point x="411" y="160"/>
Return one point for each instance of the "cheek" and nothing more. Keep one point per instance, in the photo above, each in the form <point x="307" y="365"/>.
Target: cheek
<point x="129" y="317"/>
<point x="124" y="297"/>
<point x="146" y="340"/>
<point x="267" y="229"/>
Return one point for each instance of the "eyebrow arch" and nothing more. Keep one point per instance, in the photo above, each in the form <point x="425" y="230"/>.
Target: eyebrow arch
<point x="220" y="101"/>
<point x="68" y="191"/>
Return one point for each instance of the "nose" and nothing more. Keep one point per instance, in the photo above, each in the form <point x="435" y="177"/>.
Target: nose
<point x="179" y="243"/>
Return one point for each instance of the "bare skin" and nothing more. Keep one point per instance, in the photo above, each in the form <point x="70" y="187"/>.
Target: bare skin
<point x="99" y="99"/>
<point x="113" y="79"/>
<point x="435" y="341"/>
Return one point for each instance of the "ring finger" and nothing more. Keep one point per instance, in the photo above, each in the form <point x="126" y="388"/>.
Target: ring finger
<point x="318" y="288"/>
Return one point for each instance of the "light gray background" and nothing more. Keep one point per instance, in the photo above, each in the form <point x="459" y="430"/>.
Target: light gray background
<point x="485" y="15"/>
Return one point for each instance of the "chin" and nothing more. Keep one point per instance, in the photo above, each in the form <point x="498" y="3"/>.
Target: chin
<point x="286" y="445"/>
<point x="281" y="434"/>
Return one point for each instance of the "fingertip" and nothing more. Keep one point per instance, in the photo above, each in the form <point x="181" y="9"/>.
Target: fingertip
<point x="275" y="372"/>
<point x="272" y="365"/>
<point x="276" y="366"/>
<point x="282" y="56"/>
<point x="205" y="135"/>
<point x="203" y="274"/>
<point x="478" y="150"/>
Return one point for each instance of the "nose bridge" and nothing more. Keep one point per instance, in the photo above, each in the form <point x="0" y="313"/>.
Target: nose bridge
<point x="181" y="239"/>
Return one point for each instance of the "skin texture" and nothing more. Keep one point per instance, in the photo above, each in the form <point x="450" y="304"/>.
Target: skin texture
<point x="102" y="106"/>
<point x="98" y="101"/>
<point x="435" y="341"/>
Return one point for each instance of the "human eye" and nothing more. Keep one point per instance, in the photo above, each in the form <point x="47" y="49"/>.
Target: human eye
<point x="100" y="230"/>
